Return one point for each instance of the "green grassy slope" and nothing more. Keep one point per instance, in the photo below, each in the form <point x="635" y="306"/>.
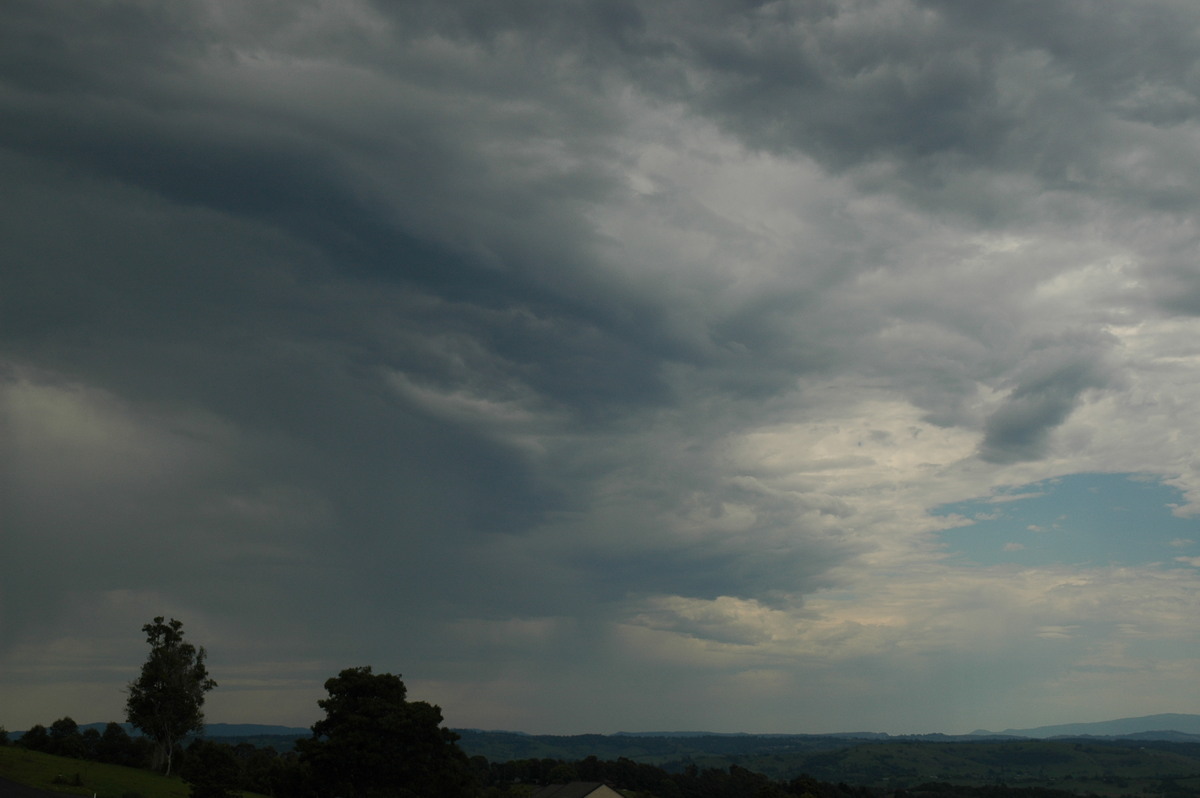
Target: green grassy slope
<point x="58" y="774"/>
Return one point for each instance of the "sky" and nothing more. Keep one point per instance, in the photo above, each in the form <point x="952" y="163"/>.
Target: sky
<point x="604" y="365"/>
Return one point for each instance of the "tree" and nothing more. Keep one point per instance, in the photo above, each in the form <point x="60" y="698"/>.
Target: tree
<point x="562" y="773"/>
<point x="116" y="747"/>
<point x="36" y="739"/>
<point x="89" y="741"/>
<point x="165" y="702"/>
<point x="211" y="769"/>
<point x="373" y="743"/>
<point x="65" y="739"/>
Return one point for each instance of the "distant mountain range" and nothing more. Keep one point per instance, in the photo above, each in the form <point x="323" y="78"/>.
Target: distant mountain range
<point x="1170" y="726"/>
<point x="253" y="730"/>
<point x="223" y="730"/>
<point x="852" y="735"/>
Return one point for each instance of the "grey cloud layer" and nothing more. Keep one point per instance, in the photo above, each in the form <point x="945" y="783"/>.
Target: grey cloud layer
<point x="426" y="314"/>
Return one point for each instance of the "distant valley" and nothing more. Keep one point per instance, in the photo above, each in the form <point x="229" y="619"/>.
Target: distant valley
<point x="1154" y="755"/>
<point x="1169" y="724"/>
<point x="1177" y="727"/>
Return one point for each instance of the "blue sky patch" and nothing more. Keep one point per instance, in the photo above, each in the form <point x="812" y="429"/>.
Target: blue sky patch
<point x="1081" y="519"/>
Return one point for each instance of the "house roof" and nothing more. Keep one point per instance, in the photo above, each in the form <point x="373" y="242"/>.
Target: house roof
<point x="576" y="789"/>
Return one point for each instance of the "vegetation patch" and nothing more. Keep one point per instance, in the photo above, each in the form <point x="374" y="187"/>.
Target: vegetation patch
<point x="80" y="777"/>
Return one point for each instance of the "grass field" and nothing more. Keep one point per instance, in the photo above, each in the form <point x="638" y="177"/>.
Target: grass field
<point x="58" y="774"/>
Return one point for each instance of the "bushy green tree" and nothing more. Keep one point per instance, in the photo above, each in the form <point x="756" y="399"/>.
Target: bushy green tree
<point x="166" y="699"/>
<point x="118" y="748"/>
<point x="211" y="769"/>
<point x="562" y="774"/>
<point x="374" y="743"/>
<point x="291" y="778"/>
<point x="36" y="739"/>
<point x="65" y="739"/>
<point x="90" y="742"/>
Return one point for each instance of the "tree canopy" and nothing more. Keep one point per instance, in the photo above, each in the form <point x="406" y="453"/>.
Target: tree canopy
<point x="373" y="743"/>
<point x="211" y="769"/>
<point x="166" y="699"/>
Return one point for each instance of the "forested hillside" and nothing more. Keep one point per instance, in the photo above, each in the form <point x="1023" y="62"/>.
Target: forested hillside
<point x="1117" y="767"/>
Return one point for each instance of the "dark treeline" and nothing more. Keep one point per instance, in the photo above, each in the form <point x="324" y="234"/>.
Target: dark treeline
<point x="219" y="770"/>
<point x="944" y="790"/>
<point x="501" y="779"/>
<point x="510" y="779"/>
<point x="214" y="769"/>
<point x="63" y="738"/>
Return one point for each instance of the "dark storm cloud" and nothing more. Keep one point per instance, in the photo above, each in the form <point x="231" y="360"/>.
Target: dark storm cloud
<point x="193" y="238"/>
<point x="446" y="221"/>
<point x="197" y="318"/>
<point x="787" y="79"/>
<point x="1049" y="386"/>
<point x="937" y="91"/>
<point x="470" y="319"/>
<point x="385" y="194"/>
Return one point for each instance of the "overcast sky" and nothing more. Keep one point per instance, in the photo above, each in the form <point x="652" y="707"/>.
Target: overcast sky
<point x="805" y="366"/>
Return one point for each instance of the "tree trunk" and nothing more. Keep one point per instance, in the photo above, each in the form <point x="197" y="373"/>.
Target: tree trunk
<point x="163" y="751"/>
